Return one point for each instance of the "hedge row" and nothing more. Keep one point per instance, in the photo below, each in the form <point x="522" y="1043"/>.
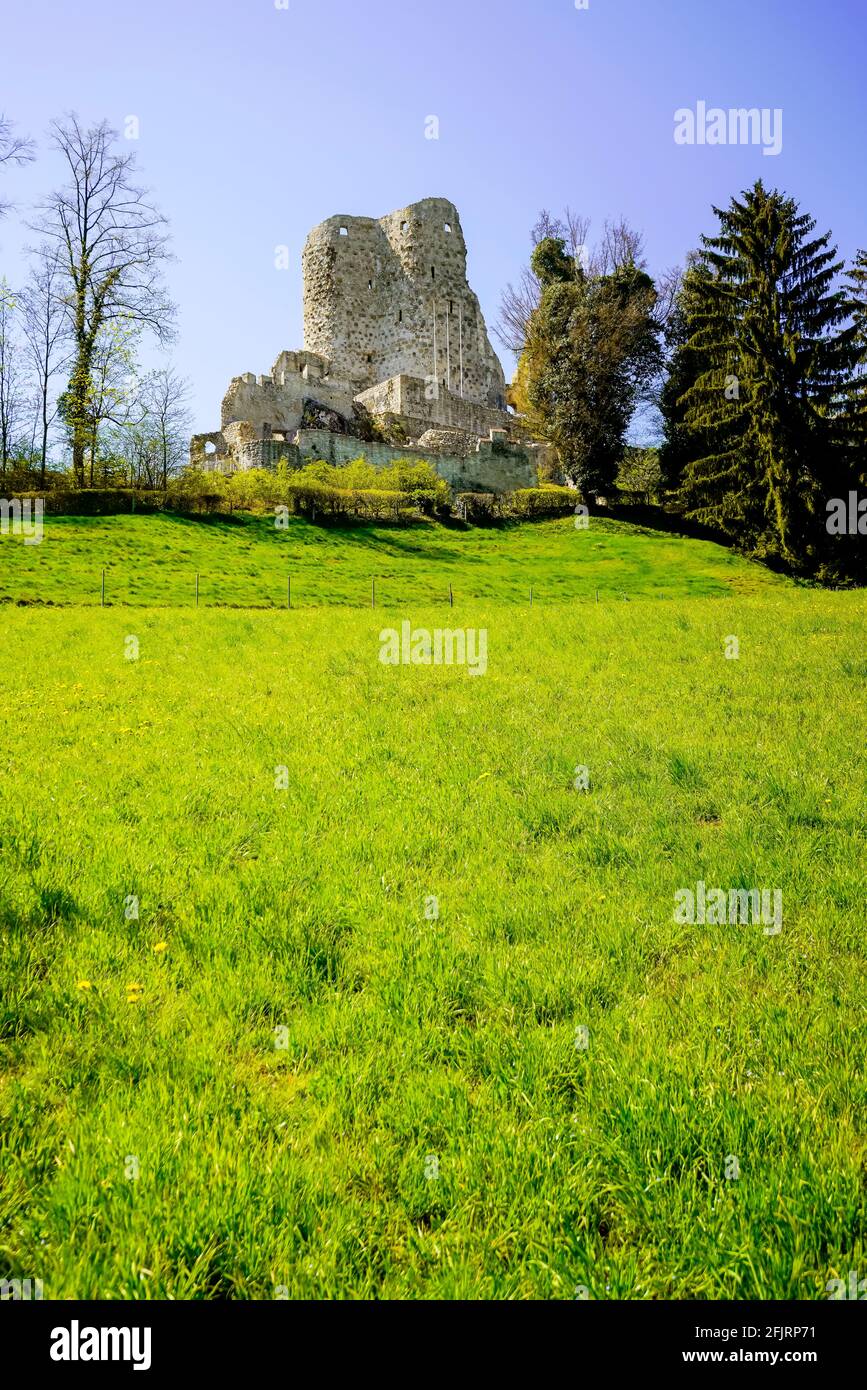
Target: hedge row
<point x="94" y="501"/>
<point x="543" y="501"/>
<point x="318" y="499"/>
<point x="525" y="502"/>
<point x="311" y="498"/>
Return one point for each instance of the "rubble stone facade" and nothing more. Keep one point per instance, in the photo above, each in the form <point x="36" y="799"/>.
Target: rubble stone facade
<point x="390" y="298"/>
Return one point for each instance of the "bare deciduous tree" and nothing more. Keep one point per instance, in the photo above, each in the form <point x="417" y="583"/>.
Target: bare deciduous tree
<point x="14" y="149"/>
<point x="519" y="301"/>
<point x="45" y="325"/>
<point x="155" y="441"/>
<point x="12" y="393"/>
<point x="166" y="402"/>
<point x="619" y="246"/>
<point x="113" y="397"/>
<point x="114" y="246"/>
<point x="573" y="229"/>
<point x="667" y="288"/>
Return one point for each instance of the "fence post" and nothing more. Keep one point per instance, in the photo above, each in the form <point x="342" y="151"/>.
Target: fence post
<point x="451" y="598"/>
<point x="597" y="595"/>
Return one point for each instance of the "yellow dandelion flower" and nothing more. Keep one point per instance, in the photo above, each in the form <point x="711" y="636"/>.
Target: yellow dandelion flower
<point x="84" y="984"/>
<point x="161" y="946"/>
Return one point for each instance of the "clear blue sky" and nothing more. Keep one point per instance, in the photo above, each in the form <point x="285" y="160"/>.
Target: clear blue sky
<point x="258" y="122"/>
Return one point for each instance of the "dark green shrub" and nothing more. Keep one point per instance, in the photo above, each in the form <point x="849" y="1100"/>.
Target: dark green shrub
<point x="543" y="501"/>
<point x="476" y="507"/>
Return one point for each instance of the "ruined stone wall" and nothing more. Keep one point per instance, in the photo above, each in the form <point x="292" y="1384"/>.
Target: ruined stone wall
<point x="276" y="401"/>
<point x="209" y="451"/>
<point x="486" y="470"/>
<point x="390" y="297"/>
<point x="265" y="453"/>
<point x="408" y="397"/>
<point x="490" y="468"/>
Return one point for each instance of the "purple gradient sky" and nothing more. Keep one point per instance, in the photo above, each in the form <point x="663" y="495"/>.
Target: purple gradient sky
<point x="258" y="122"/>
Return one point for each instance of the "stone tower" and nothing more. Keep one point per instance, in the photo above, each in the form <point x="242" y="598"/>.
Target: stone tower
<point x="389" y="297"/>
<point x="397" y="363"/>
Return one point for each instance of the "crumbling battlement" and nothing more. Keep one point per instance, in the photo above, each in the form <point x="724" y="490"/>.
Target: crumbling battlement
<point x="275" y="402"/>
<point x="420" y="407"/>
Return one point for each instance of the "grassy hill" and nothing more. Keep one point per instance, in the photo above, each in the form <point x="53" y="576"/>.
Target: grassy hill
<point x="289" y="1072"/>
<point x="246" y="562"/>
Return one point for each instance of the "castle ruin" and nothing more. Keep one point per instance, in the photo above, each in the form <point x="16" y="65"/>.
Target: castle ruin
<point x="397" y="362"/>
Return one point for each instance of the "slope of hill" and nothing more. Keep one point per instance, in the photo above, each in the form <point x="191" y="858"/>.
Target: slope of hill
<point x="247" y="561"/>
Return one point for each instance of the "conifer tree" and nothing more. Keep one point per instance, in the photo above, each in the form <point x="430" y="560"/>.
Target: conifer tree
<point x="770" y="356"/>
<point x="858" y="288"/>
<point x="680" y="444"/>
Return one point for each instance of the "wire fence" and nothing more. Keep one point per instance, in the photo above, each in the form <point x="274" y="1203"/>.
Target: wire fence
<point x="199" y="590"/>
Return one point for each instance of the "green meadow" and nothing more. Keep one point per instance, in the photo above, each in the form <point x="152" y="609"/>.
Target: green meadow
<point x="322" y="977"/>
<point x="246" y="561"/>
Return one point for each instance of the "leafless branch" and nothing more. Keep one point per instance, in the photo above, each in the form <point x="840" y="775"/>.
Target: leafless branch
<point x="14" y="149"/>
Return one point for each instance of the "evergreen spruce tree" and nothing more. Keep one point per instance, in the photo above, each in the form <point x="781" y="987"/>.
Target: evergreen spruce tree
<point x="680" y="444"/>
<point x="770" y="358"/>
<point x="858" y="401"/>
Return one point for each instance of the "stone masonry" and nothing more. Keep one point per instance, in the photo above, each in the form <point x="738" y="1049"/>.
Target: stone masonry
<point x="390" y="298"/>
<point x="392" y="334"/>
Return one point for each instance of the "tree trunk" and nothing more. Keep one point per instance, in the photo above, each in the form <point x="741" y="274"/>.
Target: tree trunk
<point x="78" y="392"/>
<point x="80" y="382"/>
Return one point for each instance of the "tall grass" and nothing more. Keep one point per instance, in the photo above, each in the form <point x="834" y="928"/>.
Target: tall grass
<point x="294" y="1071"/>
